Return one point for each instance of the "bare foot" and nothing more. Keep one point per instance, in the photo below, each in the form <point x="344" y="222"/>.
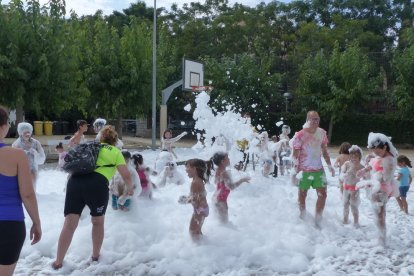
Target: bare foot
<point x="56" y="266"/>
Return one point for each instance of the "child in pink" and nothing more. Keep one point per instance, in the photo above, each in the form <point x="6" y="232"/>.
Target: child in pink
<point x="144" y="173"/>
<point x="382" y="183"/>
<point x="224" y="184"/>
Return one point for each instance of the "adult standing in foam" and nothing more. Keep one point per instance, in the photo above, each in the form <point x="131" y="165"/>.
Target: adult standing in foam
<point x="15" y="188"/>
<point x="97" y="127"/>
<point x="92" y="190"/>
<point x="32" y="147"/>
<point x="309" y="145"/>
<point x="79" y="136"/>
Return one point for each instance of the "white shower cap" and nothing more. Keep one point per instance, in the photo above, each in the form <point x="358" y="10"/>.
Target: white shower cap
<point x="23" y="127"/>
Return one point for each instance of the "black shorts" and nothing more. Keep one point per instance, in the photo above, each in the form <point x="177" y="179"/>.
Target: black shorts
<point x="88" y="189"/>
<point x="12" y="235"/>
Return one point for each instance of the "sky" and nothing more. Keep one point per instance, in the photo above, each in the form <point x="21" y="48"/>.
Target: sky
<point x="83" y="7"/>
<point x="265" y="235"/>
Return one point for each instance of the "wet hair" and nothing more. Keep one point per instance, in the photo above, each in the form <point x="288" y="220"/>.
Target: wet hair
<point x="379" y="144"/>
<point x="109" y="135"/>
<point x="344" y="148"/>
<point x="138" y="159"/>
<point x="80" y="123"/>
<point x="126" y="154"/>
<point x="404" y="159"/>
<point x="218" y="157"/>
<point x="59" y="146"/>
<point x="356" y="152"/>
<point x="202" y="167"/>
<point x="4" y="116"/>
<point x="165" y="131"/>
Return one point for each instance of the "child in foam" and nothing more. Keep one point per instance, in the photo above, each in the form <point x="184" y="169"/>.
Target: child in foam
<point x="285" y="133"/>
<point x="266" y="154"/>
<point x="405" y="179"/>
<point x="382" y="183"/>
<point x="98" y="125"/>
<point x="62" y="153"/>
<point x="341" y="159"/>
<point x="199" y="171"/>
<point x="144" y="173"/>
<point x="224" y="184"/>
<point x="167" y="141"/>
<point x="118" y="187"/>
<point x="349" y="179"/>
<point x="32" y="147"/>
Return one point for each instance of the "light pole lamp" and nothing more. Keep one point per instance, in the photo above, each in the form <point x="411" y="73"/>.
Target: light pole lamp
<point x="287" y="96"/>
<point x="154" y="77"/>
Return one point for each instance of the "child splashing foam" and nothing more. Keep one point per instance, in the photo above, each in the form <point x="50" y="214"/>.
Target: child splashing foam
<point x="382" y="183"/>
<point x="224" y="184"/>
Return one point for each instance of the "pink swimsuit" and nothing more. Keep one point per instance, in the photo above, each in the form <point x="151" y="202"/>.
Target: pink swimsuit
<point x="143" y="178"/>
<point x="377" y="166"/>
<point x="223" y="191"/>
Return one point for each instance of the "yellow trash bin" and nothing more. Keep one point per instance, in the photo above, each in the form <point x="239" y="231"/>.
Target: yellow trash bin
<point x="38" y="128"/>
<point x="48" y="125"/>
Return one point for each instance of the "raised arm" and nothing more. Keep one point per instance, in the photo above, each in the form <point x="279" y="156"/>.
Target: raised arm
<point x="226" y="177"/>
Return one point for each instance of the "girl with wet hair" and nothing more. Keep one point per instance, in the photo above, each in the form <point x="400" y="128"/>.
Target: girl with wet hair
<point x="224" y="184"/>
<point x="199" y="171"/>
<point x="144" y="173"/>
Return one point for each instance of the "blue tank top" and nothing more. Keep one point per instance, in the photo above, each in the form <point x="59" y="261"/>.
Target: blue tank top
<point x="10" y="200"/>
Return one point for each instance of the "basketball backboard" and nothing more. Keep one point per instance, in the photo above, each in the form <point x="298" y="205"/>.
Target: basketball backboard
<point x="193" y="74"/>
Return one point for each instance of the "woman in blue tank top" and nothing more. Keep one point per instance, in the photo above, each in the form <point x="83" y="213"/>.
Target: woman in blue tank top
<point x="15" y="188"/>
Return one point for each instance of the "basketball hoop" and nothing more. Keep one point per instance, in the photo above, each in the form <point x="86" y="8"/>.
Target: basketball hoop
<point x="205" y="88"/>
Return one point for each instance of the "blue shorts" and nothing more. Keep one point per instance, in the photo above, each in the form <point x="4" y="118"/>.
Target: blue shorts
<point x="404" y="190"/>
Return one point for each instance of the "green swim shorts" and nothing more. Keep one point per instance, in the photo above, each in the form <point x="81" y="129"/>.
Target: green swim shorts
<point x="315" y="180"/>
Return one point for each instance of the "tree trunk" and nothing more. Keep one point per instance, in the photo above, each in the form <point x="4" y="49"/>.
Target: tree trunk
<point x="19" y="114"/>
<point x="118" y="127"/>
<point x="331" y="125"/>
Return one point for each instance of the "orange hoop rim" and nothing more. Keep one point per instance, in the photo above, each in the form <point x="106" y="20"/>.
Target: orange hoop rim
<point x="206" y="88"/>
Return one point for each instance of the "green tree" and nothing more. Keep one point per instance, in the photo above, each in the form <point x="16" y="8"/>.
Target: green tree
<point x="404" y="89"/>
<point x="337" y="84"/>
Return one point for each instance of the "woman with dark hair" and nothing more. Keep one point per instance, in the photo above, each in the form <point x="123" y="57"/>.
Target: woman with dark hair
<point x="15" y="188"/>
<point x="92" y="190"/>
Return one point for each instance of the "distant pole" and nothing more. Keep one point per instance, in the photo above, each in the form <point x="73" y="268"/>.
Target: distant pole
<point x="154" y="77"/>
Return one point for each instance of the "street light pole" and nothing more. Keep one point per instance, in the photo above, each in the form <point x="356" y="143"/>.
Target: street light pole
<point x="287" y="96"/>
<point x="154" y="77"/>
